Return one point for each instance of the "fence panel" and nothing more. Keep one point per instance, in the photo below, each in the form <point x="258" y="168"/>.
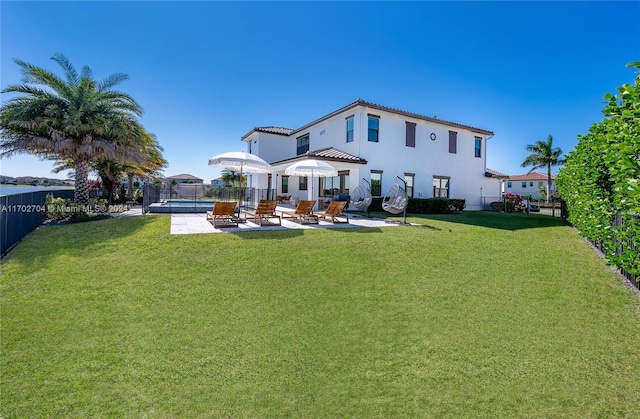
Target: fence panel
<point x="20" y="214"/>
<point x="150" y="195"/>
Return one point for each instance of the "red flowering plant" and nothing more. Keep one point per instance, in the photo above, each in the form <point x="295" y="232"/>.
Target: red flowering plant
<point x="514" y="202"/>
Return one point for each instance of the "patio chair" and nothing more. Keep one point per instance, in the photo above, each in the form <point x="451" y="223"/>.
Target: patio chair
<point x="334" y="212"/>
<point x="266" y="210"/>
<point x="223" y="213"/>
<point x="303" y="212"/>
<point x="283" y="198"/>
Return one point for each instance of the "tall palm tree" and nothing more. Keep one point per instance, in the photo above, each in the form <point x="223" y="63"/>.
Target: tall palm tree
<point x="543" y="154"/>
<point x="75" y="118"/>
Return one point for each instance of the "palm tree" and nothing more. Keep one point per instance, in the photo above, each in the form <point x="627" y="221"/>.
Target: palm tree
<point x="231" y="176"/>
<point x="153" y="164"/>
<point x="75" y="118"/>
<point x="543" y="154"/>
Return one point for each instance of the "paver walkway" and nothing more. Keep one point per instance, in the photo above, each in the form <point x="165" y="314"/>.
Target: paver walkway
<point x="198" y="224"/>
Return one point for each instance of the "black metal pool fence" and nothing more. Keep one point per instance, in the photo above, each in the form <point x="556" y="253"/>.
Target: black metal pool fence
<point x="193" y="196"/>
<point x="623" y="245"/>
<point x="20" y="214"/>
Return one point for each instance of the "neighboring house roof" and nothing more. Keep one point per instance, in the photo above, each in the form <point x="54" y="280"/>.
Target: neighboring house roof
<point x="329" y="154"/>
<point x="184" y="176"/>
<point x="531" y="176"/>
<point x="360" y="102"/>
<point x="494" y="173"/>
<point x="270" y="130"/>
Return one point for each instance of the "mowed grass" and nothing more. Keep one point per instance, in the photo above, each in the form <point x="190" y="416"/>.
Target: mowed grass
<point x="473" y="314"/>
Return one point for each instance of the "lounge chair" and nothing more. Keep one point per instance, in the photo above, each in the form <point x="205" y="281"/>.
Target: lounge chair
<point x="303" y="212"/>
<point x="283" y="198"/>
<point x="224" y="213"/>
<point x="266" y="210"/>
<point x="334" y="212"/>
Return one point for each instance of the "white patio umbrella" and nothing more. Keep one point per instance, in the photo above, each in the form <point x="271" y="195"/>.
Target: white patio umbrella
<point x="240" y="161"/>
<point x="310" y="168"/>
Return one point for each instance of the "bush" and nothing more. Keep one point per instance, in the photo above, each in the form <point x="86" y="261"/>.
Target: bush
<point x="600" y="181"/>
<point x="425" y="205"/>
<point x="497" y="206"/>
<point x="59" y="209"/>
<point x="457" y="204"/>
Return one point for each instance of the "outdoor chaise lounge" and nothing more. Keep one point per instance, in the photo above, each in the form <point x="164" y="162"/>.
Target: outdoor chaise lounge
<point x="303" y="212"/>
<point x="223" y="214"/>
<point x="266" y="210"/>
<point x="283" y="198"/>
<point x="334" y="212"/>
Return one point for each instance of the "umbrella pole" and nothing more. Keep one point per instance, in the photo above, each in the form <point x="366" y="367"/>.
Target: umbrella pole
<point x="240" y="193"/>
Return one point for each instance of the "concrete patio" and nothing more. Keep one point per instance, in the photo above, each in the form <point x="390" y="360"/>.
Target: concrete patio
<point x="198" y="224"/>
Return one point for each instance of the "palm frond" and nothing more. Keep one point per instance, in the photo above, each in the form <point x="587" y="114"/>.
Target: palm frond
<point x="111" y="80"/>
<point x="86" y="73"/>
<point x="70" y="72"/>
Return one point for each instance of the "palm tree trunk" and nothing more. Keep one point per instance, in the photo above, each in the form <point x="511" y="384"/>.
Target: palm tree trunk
<point x="548" y="182"/>
<point x="130" y="186"/>
<point x="81" y="195"/>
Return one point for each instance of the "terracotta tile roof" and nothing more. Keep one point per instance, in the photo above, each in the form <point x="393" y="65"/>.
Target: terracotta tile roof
<point x="360" y="102"/>
<point x="531" y="176"/>
<point x="371" y="105"/>
<point x="270" y="130"/>
<point x="329" y="154"/>
<point x="494" y="173"/>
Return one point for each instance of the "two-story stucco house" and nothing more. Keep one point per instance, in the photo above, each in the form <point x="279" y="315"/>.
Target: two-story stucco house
<point x="363" y="140"/>
<point x="530" y="184"/>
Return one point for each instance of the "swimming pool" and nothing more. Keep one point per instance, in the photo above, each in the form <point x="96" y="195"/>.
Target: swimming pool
<point x="181" y="207"/>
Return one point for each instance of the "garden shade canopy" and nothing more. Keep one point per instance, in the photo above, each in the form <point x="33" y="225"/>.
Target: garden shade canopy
<point x="240" y="161"/>
<point x="310" y="168"/>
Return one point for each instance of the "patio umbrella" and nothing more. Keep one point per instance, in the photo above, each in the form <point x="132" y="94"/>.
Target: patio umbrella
<point x="310" y="168"/>
<point x="240" y="161"/>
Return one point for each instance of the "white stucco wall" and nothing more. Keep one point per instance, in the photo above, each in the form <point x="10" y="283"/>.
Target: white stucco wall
<point x="516" y="188"/>
<point x="390" y="154"/>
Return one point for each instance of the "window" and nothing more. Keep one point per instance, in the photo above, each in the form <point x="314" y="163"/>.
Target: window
<point x="408" y="179"/>
<point x="539" y="184"/>
<point x="509" y="184"/>
<point x="531" y="184"/>
<point x="350" y="129"/>
<point x="285" y="184"/>
<point x="374" y="126"/>
<point x="453" y="142"/>
<point x="524" y="184"/>
<point x="410" y="134"/>
<point x="333" y="185"/>
<point x="303" y="144"/>
<point x="302" y="183"/>
<point x="441" y="187"/>
<point x="376" y="183"/>
<point x="478" y="149"/>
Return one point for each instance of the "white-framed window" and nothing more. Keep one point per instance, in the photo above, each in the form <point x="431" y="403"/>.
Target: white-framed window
<point x="350" y="129"/>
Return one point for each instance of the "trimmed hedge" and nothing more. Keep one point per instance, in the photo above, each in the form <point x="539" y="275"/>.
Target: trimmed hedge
<point x="426" y="206"/>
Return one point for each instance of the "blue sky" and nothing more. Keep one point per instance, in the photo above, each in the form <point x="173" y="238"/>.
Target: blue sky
<point x="206" y="73"/>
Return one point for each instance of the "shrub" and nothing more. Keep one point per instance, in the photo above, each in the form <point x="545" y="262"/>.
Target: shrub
<point x="64" y="209"/>
<point x="457" y="204"/>
<point x="425" y="205"/>
<point x="497" y="206"/>
<point x="600" y="181"/>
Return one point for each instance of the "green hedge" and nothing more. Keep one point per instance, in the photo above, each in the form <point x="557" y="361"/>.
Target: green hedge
<point x="600" y="181"/>
<point x="426" y="206"/>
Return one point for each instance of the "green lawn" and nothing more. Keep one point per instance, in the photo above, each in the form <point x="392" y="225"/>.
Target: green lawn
<point x="473" y="314"/>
